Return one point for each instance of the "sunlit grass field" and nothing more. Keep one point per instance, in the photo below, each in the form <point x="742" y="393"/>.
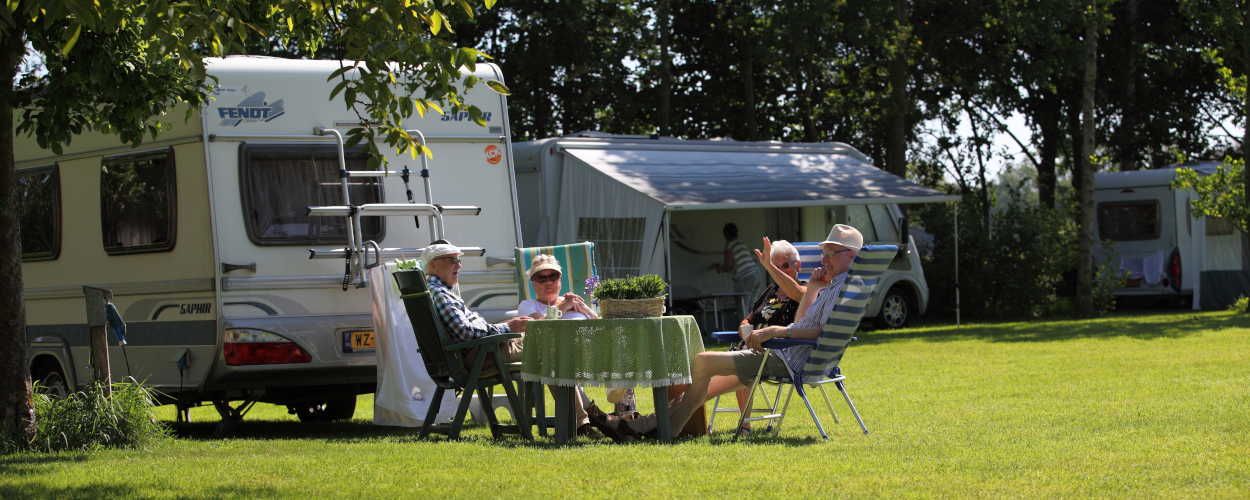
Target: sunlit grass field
<point x="1132" y="405"/>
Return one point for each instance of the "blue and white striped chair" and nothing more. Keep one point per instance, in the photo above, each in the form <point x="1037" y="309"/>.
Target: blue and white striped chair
<point x="814" y="363"/>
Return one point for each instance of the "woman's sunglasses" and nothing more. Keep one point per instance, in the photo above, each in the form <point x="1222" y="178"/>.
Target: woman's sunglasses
<point x="543" y="278"/>
<point x="787" y="265"/>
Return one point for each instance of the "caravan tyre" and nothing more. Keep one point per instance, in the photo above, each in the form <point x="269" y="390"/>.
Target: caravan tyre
<point x="341" y="408"/>
<point x="896" y="308"/>
<point x="51" y="380"/>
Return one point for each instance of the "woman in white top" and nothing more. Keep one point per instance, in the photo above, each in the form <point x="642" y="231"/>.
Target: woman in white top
<point x="545" y="274"/>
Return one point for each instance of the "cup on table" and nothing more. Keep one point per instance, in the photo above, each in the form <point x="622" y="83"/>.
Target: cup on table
<point x="553" y="312"/>
<point x="744" y="331"/>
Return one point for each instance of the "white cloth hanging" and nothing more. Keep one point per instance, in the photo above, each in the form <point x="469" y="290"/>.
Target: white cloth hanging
<point x="1152" y="267"/>
<point x="404" y="387"/>
<point x="1135" y="267"/>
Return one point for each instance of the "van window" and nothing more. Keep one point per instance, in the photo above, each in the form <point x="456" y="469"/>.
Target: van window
<point x="278" y="184"/>
<point x="857" y="217"/>
<point x="883" y="224"/>
<point x="138" y="210"/>
<point x="39" y="195"/>
<point x="618" y="244"/>
<point x="1129" y="221"/>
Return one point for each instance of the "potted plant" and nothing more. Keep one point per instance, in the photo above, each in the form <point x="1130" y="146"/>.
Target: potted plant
<point x="633" y="297"/>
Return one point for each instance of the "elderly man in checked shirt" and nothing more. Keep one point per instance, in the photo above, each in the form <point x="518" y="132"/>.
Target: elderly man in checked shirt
<point x="442" y="269"/>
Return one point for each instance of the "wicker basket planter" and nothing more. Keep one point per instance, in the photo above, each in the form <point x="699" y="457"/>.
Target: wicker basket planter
<point x="638" y="308"/>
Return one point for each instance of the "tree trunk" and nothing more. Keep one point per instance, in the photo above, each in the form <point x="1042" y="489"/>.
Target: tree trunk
<point x="666" y="71"/>
<point x="810" y="134"/>
<point x="1128" y="105"/>
<point x="1085" y="261"/>
<point x="17" y="414"/>
<point x="748" y="79"/>
<point x="1051" y="138"/>
<point x="896" y="148"/>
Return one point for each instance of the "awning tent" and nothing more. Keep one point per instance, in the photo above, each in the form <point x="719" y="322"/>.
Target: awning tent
<point x="643" y="183"/>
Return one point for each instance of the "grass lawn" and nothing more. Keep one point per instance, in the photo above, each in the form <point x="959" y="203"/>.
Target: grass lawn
<point x="1133" y="405"/>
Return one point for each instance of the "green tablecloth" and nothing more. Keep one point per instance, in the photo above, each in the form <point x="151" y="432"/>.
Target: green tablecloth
<point x="636" y="352"/>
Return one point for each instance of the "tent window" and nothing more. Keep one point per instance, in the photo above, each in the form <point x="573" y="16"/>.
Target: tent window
<point x="1218" y="226"/>
<point x="138" y="203"/>
<point x="1128" y="221"/>
<point x="618" y="244"/>
<point x="279" y="183"/>
<point x="39" y="196"/>
<point x="783" y="223"/>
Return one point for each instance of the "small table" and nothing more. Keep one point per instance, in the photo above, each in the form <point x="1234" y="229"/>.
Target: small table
<point x="635" y="352"/>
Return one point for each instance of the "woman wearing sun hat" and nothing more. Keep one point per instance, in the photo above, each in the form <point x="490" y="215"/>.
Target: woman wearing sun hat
<point x="545" y="274"/>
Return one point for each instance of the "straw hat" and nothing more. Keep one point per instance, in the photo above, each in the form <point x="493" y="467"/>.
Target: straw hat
<point x="543" y="262"/>
<point x="846" y="236"/>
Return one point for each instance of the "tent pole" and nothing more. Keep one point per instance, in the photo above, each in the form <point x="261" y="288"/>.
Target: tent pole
<point x="668" y="262"/>
<point x="957" y="265"/>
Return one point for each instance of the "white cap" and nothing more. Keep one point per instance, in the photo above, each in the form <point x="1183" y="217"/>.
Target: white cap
<point x="438" y="250"/>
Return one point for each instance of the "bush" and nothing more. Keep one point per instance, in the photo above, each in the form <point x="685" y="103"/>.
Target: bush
<point x="1242" y="306"/>
<point x="1012" y="271"/>
<point x="91" y="420"/>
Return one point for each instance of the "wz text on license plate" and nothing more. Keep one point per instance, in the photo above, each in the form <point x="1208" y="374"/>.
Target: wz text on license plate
<point x="359" y="341"/>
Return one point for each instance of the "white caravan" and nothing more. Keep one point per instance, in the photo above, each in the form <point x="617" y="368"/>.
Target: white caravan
<point x="622" y="192"/>
<point x="1160" y="244"/>
<point x="204" y="238"/>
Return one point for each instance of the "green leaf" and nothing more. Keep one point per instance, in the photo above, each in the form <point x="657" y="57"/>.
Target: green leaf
<point x="72" y="39"/>
<point x="498" y="86"/>
<point x="436" y="21"/>
<point x="490" y="4"/>
<point x="339" y="72"/>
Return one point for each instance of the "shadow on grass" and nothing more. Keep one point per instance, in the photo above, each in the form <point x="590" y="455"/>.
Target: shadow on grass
<point x="98" y="490"/>
<point x="1139" y="325"/>
<point x="31" y="463"/>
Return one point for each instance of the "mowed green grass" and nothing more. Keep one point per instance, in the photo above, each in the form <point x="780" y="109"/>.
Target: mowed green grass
<point x="1138" y="405"/>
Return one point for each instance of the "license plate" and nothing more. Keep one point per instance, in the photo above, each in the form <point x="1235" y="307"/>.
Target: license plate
<point x="359" y="341"/>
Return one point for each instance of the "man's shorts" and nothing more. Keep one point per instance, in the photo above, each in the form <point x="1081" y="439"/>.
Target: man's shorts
<point x="747" y="363"/>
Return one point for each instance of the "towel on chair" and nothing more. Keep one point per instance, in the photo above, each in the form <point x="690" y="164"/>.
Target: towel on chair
<point x="404" y="387"/>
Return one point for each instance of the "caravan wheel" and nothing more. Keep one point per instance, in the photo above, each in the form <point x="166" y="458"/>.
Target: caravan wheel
<point x="51" y="380"/>
<point x="896" y="308"/>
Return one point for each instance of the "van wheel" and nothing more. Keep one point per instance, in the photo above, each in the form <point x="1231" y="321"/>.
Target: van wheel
<point x="52" y="381"/>
<point x="342" y="408"/>
<point x="896" y="309"/>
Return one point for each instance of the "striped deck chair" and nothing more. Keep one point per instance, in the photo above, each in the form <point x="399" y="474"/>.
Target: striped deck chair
<point x="578" y="262"/>
<point x="814" y="363"/>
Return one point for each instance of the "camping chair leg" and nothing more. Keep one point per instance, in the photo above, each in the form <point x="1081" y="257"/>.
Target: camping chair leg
<point x="829" y="403"/>
<point x="821" y="428"/>
<point x="782" y="418"/>
<point x="432" y="413"/>
<point x="751" y="397"/>
<point x="712" y="421"/>
<point x="852" y="405"/>
<point x="773" y="405"/>
<point x="485" y="397"/>
<point x="466" y="395"/>
<point x="519" y="412"/>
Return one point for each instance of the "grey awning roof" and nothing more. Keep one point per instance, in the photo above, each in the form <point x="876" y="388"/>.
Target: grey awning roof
<point x="703" y="179"/>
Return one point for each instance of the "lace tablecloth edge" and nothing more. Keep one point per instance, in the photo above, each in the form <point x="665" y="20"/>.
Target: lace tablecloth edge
<point x="615" y="384"/>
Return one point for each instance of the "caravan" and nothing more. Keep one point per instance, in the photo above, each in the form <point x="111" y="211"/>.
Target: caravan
<point x="657" y="205"/>
<point x="204" y="238"/>
<point x="1163" y="249"/>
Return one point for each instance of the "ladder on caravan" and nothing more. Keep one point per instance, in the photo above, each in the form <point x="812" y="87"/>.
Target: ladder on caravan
<point x="356" y="253"/>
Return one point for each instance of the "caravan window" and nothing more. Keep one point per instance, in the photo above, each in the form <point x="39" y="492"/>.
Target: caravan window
<point x="618" y="244"/>
<point x="280" y="182"/>
<point x="1129" y="221"/>
<point x="39" y="195"/>
<point x="138" y="210"/>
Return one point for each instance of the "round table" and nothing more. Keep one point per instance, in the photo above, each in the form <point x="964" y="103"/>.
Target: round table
<point x="628" y="352"/>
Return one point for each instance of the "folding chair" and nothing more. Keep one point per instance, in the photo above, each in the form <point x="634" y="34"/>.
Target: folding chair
<point x="578" y="264"/>
<point x="818" y="359"/>
<point x="444" y="360"/>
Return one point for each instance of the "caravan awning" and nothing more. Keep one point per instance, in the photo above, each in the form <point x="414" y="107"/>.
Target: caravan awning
<point x="707" y="180"/>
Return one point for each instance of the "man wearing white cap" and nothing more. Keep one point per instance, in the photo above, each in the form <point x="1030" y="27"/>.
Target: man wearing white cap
<point x="442" y="267"/>
<point x="723" y="372"/>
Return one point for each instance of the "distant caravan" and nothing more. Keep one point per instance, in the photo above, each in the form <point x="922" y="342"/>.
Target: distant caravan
<point x="205" y="237"/>
<point x="1159" y="244"/>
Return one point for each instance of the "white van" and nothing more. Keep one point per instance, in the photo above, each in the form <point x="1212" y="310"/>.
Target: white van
<point x="657" y="206"/>
<point x="1161" y="245"/>
<point x="204" y="238"/>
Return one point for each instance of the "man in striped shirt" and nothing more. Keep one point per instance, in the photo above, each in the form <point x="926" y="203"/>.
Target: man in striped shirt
<point x="741" y="263"/>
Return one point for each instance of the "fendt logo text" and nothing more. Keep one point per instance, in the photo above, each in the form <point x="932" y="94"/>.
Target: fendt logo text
<point x="252" y="109"/>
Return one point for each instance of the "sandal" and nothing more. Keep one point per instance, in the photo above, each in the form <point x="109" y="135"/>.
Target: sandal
<point x="588" y="431"/>
<point x="744" y="432"/>
<point x="600" y="421"/>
